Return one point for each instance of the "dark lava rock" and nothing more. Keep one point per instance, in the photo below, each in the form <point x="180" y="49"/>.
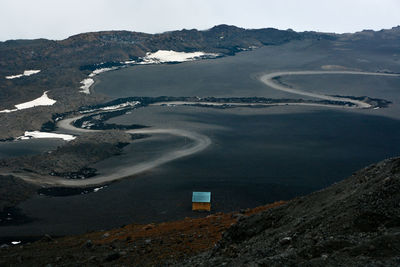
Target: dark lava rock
<point x="89" y="244"/>
<point x="83" y="173"/>
<point x="47" y="238"/>
<point x="112" y="257"/>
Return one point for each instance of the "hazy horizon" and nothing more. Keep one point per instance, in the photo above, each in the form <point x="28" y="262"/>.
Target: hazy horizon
<point x="60" y="19"/>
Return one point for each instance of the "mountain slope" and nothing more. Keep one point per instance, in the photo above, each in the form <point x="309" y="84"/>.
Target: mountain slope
<point x="352" y="223"/>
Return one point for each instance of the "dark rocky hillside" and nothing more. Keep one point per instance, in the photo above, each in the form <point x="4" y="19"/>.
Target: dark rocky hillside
<point x="115" y="46"/>
<point x="352" y="223"/>
<point x="96" y="47"/>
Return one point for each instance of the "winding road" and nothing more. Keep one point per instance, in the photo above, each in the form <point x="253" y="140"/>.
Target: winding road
<point x="199" y="141"/>
<point x="267" y="79"/>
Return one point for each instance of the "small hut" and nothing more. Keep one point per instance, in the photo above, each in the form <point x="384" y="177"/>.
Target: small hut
<point x="201" y="201"/>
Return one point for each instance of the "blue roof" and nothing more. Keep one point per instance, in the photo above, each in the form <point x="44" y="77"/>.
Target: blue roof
<point x="201" y="197"/>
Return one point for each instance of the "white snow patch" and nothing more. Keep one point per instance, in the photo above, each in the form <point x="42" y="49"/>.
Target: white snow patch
<point x="87" y="125"/>
<point x="30" y="72"/>
<point x="162" y="56"/>
<point x="86" y="83"/>
<point x="26" y="73"/>
<point x="98" y="71"/>
<point x="15" y="242"/>
<point x="37" y="134"/>
<point x="14" y="76"/>
<point x="114" y="107"/>
<point x="129" y="62"/>
<point x="44" y="100"/>
<point x="8" y="110"/>
<point x="122" y="105"/>
<point x="98" y="188"/>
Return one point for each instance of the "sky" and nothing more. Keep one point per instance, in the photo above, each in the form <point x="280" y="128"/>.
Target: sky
<point x="58" y="19"/>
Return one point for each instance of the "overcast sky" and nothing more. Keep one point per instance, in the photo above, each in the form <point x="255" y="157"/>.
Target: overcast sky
<point x="58" y="19"/>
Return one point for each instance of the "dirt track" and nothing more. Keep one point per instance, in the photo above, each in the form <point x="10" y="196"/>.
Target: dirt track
<point x="199" y="143"/>
<point x="268" y="80"/>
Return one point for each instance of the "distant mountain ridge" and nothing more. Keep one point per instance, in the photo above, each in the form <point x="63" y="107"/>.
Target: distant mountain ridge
<point x="95" y="47"/>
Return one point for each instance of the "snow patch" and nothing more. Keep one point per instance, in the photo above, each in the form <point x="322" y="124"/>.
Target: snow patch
<point x="14" y="76"/>
<point x="86" y="83"/>
<point x="98" y="71"/>
<point x="163" y="56"/>
<point x="87" y="125"/>
<point x="122" y="105"/>
<point x="37" y="134"/>
<point x="98" y="188"/>
<point x="114" y="107"/>
<point x="44" y="100"/>
<point x="30" y="72"/>
<point x="26" y="73"/>
<point x="15" y="242"/>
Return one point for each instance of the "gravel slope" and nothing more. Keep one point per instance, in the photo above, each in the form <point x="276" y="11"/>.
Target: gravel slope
<point x="352" y="223"/>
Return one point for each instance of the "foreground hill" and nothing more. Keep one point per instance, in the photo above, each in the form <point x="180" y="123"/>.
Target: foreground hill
<point x="352" y="223"/>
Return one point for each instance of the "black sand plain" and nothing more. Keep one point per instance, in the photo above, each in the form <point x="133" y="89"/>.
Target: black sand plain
<point x="257" y="155"/>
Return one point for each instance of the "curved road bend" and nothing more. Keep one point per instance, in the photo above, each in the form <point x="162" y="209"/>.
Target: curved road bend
<point x="267" y="79"/>
<point x="200" y="142"/>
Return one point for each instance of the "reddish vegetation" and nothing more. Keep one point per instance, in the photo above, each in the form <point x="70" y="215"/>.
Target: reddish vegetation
<point x="180" y="238"/>
<point x="136" y="243"/>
